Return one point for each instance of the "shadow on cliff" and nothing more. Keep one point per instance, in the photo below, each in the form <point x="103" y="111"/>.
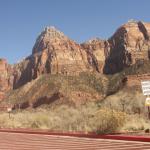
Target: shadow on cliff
<point x="26" y="73"/>
<point x="118" y="57"/>
<point x="30" y="70"/>
<point x="47" y="100"/>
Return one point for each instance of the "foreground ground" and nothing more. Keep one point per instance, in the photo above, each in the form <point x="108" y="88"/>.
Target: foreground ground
<point x="21" y="141"/>
<point x="86" y="118"/>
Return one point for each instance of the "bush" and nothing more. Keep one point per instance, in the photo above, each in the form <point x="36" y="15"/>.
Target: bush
<point x="109" y="121"/>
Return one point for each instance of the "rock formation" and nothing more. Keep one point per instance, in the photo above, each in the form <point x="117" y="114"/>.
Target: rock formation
<point x="129" y="45"/>
<point x="97" y="51"/>
<point x="55" y="53"/>
<point x="6" y="78"/>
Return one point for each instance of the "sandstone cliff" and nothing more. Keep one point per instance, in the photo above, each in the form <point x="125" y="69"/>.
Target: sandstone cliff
<point x="58" y="54"/>
<point x="130" y="44"/>
<point x="6" y="78"/>
<point x="97" y="52"/>
<point x="53" y="53"/>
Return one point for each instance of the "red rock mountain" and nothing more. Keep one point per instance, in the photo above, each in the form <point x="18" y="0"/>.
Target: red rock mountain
<point x="130" y="44"/>
<point x="55" y="53"/>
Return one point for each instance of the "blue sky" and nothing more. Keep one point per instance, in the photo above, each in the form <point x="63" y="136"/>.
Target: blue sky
<point x="22" y="20"/>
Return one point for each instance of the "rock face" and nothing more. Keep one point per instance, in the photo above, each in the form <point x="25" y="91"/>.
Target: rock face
<point x="129" y="45"/>
<point x="6" y="78"/>
<point x="97" y="52"/>
<point x="58" y="54"/>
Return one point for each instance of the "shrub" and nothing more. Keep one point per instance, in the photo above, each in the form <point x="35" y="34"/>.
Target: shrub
<point x="109" y="121"/>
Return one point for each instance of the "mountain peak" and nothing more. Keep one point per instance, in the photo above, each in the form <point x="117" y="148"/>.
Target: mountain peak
<point x="52" y="32"/>
<point x="132" y="21"/>
<point x="49" y="35"/>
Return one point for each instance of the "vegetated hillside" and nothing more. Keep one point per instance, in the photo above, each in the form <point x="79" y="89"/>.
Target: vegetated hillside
<point x="75" y="90"/>
<point x="130" y="98"/>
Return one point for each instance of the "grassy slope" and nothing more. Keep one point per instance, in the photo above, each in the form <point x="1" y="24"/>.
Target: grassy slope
<point x="67" y="89"/>
<point x="86" y="87"/>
